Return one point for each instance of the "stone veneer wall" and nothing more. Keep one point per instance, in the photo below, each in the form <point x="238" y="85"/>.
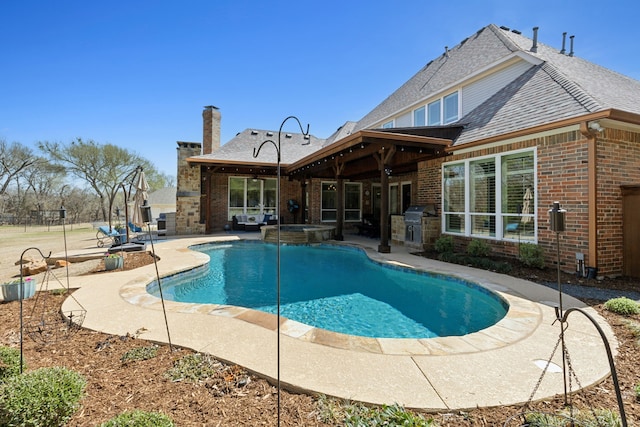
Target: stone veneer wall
<point x="188" y="193"/>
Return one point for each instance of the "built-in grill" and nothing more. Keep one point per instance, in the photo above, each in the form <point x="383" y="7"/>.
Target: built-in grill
<point x="413" y="223"/>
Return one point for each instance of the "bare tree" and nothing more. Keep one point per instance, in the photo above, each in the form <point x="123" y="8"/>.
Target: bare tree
<point x="14" y="159"/>
<point x="105" y="167"/>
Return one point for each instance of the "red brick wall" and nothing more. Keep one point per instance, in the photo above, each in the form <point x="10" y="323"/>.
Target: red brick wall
<point x="563" y="168"/>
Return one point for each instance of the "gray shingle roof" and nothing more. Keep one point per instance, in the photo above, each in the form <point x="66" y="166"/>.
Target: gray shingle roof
<point x="560" y="87"/>
<point x="240" y="148"/>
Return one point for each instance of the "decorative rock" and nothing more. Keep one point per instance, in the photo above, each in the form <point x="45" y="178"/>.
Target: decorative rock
<point x="34" y="267"/>
<point x="62" y="263"/>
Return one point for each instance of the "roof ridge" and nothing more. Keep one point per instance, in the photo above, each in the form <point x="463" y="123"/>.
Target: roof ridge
<point x="509" y="44"/>
<point x="572" y="88"/>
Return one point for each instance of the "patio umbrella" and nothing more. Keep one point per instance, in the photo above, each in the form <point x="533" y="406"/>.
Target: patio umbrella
<point x="526" y="205"/>
<point x="138" y="200"/>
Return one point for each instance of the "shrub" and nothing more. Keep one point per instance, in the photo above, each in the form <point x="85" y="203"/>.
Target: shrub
<point x="193" y="367"/>
<point x="531" y="255"/>
<point x="623" y="306"/>
<point x="478" y="248"/>
<point x="139" y="418"/>
<point x="444" y="245"/>
<point x="636" y="389"/>
<point x="9" y="362"/>
<point x="44" y="397"/>
<point x="140" y="353"/>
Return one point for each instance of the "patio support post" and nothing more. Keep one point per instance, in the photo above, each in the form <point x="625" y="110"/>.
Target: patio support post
<point x="340" y="208"/>
<point x="383" y="157"/>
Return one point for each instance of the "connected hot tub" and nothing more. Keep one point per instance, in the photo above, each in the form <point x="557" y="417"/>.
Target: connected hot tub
<point x="298" y="233"/>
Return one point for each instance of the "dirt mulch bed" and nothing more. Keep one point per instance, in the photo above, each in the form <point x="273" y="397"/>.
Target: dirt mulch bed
<point x="233" y="397"/>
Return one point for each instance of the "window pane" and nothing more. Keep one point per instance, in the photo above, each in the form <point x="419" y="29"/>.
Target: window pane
<point x="269" y="198"/>
<point x="236" y="192"/>
<point x="253" y="194"/>
<point x="518" y="197"/>
<point x="329" y="203"/>
<point x="352" y="196"/>
<point x="453" y="197"/>
<point x="451" y="108"/>
<point x="387" y="125"/>
<point x="419" y="117"/>
<point x="454" y="223"/>
<point x="394" y="200"/>
<point x="482" y="179"/>
<point x="434" y="113"/>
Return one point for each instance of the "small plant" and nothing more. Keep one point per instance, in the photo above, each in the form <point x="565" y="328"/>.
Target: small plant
<point x="9" y="362"/>
<point x="44" y="397"/>
<point x="113" y="255"/>
<point x="140" y="353"/>
<point x="444" y="245"/>
<point x="139" y="418"/>
<point x="592" y="418"/>
<point x="531" y="255"/>
<point x="478" y="248"/>
<point x="394" y="415"/>
<point x="623" y="306"/>
<point x="636" y="389"/>
<point x="193" y="367"/>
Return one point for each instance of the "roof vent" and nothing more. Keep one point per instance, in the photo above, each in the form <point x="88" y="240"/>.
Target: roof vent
<point x="502" y="27"/>
<point x="571" y="45"/>
<point x="534" y="47"/>
<point x="269" y="133"/>
<point x="288" y="135"/>
<point x="564" y="39"/>
<point x="446" y="51"/>
<point x="516" y="32"/>
<point x="254" y="132"/>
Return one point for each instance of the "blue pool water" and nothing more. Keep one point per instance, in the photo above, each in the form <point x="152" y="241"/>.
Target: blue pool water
<point x="336" y="288"/>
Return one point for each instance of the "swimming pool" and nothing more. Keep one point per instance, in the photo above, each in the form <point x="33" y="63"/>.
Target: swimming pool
<point x="337" y="288"/>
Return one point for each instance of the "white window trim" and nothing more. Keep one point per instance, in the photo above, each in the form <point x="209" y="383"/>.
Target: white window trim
<point x="359" y="210"/>
<point x="499" y="235"/>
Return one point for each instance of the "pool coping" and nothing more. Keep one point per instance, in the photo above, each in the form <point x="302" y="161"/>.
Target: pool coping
<point x="478" y="370"/>
<point x="521" y="317"/>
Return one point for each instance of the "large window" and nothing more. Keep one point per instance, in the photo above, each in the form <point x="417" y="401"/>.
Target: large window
<point x="251" y="196"/>
<point x="352" y="201"/>
<point x="491" y="197"/>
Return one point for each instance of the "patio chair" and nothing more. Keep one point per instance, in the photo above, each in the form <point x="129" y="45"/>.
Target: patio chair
<point x="106" y="235"/>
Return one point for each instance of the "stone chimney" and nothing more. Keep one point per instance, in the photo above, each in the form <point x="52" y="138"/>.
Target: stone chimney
<point x="210" y="129"/>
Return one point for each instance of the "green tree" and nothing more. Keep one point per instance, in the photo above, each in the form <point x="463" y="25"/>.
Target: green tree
<point x="107" y="168"/>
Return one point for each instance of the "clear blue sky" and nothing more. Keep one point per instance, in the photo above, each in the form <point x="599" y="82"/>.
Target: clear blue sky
<point x="137" y="73"/>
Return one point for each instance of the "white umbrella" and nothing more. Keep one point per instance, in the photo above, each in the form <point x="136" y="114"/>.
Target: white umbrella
<point x="138" y="200"/>
<point x="526" y="202"/>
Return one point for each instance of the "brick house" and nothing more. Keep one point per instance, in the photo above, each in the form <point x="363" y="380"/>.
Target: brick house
<point x="491" y="132"/>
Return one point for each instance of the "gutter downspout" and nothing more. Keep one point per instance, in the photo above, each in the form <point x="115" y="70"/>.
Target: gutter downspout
<point x="592" y="175"/>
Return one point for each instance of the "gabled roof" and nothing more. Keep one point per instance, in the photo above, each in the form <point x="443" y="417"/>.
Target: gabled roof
<point x="556" y="87"/>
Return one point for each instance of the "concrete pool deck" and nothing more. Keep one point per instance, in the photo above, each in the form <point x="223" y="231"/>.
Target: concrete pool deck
<point x="499" y="365"/>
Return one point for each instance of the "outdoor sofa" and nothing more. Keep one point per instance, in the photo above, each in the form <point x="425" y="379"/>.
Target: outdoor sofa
<point x="252" y="222"/>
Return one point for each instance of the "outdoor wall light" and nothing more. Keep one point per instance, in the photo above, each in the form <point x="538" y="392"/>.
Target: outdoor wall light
<point x="145" y="210"/>
<point x="595" y="126"/>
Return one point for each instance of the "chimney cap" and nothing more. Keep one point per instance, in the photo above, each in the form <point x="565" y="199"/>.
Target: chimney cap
<point x="210" y="107"/>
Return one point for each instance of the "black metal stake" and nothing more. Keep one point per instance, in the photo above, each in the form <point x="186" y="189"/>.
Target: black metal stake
<point x="256" y="152"/>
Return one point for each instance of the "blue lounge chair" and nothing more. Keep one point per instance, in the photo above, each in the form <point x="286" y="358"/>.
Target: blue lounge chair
<point x="107" y="235"/>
